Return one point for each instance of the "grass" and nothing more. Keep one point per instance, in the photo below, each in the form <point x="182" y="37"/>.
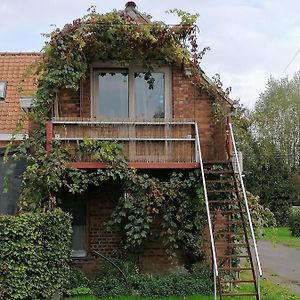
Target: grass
<point x="269" y="291"/>
<point x="281" y="235"/>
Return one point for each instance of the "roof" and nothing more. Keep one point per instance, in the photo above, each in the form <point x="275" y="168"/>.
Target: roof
<point x="12" y="69"/>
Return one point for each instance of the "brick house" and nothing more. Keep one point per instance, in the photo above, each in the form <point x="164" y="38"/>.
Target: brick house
<point x="160" y="129"/>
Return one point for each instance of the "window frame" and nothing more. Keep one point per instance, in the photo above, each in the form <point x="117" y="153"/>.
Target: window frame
<point x="99" y="68"/>
<point x="80" y="253"/>
<point x="3" y="91"/>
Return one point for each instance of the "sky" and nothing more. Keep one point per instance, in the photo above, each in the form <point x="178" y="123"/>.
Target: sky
<point x="250" y="40"/>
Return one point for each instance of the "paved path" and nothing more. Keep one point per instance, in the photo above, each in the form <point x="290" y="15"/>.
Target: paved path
<point x="281" y="264"/>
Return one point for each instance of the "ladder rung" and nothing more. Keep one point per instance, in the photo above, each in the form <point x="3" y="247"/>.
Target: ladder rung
<point x="216" y="162"/>
<point x="232" y="223"/>
<point x="221" y="180"/>
<point x="218" y="172"/>
<point x="239" y="294"/>
<point x="237" y="244"/>
<point x="229" y="201"/>
<point x="234" y="256"/>
<point x="229" y="233"/>
<point x="222" y="191"/>
<point x="234" y="269"/>
<point x="230" y="245"/>
<point x="233" y="211"/>
<point x="237" y="281"/>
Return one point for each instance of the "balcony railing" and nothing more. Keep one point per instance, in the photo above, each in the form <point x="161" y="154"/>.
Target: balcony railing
<point x="160" y="142"/>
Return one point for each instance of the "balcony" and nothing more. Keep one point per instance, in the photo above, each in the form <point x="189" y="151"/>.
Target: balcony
<point x="155" y="144"/>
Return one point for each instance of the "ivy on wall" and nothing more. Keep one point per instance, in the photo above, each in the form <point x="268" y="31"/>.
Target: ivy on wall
<point x="177" y="203"/>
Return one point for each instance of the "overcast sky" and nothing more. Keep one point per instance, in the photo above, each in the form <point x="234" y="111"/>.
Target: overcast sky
<point x="249" y="39"/>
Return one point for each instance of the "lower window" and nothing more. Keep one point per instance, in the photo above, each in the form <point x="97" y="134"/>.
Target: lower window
<point x="77" y="208"/>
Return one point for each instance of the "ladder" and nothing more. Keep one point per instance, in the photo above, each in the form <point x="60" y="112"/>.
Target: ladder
<point x="230" y="226"/>
<point x="230" y="232"/>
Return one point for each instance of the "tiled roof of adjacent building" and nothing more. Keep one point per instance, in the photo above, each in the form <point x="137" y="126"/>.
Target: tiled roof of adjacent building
<point x="12" y="69"/>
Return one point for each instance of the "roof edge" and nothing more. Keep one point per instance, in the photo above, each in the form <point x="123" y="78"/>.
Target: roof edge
<point x="21" y="53"/>
<point x="219" y="91"/>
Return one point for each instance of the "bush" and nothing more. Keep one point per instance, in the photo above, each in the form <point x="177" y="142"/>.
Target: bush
<point x="178" y="282"/>
<point x="34" y="254"/>
<point x="294" y="222"/>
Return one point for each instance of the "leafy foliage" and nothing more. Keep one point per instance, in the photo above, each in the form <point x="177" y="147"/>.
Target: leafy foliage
<point x="270" y="171"/>
<point x="177" y="203"/>
<point x="179" y="281"/>
<point x="34" y="254"/>
<point x="262" y="217"/>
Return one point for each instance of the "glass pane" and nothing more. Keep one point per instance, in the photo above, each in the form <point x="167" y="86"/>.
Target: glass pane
<point x="77" y="207"/>
<point x="149" y="103"/>
<point x="113" y="94"/>
<point x="9" y="201"/>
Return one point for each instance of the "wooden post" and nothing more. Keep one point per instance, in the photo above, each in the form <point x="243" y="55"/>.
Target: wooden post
<point x="49" y="133"/>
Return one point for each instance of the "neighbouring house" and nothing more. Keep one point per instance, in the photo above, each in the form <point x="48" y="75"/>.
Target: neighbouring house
<point x="12" y="71"/>
<point x="171" y="118"/>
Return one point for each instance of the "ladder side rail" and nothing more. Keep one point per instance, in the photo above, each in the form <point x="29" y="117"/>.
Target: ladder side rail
<point x="245" y="201"/>
<point x="213" y="248"/>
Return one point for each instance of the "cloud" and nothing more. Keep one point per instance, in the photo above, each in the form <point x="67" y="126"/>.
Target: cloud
<point x="250" y="39"/>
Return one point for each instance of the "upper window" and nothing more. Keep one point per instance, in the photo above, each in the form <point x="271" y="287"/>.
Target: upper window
<point x="3" y="86"/>
<point x="125" y="93"/>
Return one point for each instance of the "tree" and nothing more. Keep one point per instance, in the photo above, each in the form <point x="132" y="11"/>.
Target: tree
<point x="277" y="119"/>
<point x="269" y="138"/>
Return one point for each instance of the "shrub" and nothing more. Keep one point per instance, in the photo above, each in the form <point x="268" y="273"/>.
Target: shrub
<point x="178" y="282"/>
<point x="34" y="254"/>
<point x="294" y="222"/>
<point x="261" y="215"/>
<point x="77" y="279"/>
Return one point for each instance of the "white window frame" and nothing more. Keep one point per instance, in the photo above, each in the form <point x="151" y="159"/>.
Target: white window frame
<point x="98" y="68"/>
<point x="3" y="89"/>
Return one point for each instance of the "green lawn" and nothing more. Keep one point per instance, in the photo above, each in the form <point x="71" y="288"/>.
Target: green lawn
<point x="281" y="235"/>
<point x="269" y="291"/>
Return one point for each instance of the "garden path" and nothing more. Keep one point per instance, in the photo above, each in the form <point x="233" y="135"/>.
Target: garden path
<point x="281" y="264"/>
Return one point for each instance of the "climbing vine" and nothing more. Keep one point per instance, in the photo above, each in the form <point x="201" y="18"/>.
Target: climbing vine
<point x="175" y="203"/>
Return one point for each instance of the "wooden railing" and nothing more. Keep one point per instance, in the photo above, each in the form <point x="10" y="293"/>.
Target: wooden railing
<point x="155" y="141"/>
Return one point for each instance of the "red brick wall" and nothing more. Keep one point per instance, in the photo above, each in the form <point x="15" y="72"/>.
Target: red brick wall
<point x="187" y="103"/>
<point x="190" y="103"/>
<point x="100" y="204"/>
<point x="75" y="103"/>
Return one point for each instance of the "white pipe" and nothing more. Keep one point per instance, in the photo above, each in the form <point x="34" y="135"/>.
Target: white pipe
<point x="54" y="121"/>
<point x="207" y="205"/>
<point x="125" y="139"/>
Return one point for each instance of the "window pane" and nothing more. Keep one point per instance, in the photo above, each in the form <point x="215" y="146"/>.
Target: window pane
<point x="113" y="94"/>
<point x="9" y="200"/>
<point x="77" y="207"/>
<point x="150" y="103"/>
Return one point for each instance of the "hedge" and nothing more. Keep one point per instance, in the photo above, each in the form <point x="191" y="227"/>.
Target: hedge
<point x="34" y="254"/>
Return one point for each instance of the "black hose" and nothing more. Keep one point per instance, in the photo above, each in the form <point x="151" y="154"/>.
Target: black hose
<point x="112" y="263"/>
